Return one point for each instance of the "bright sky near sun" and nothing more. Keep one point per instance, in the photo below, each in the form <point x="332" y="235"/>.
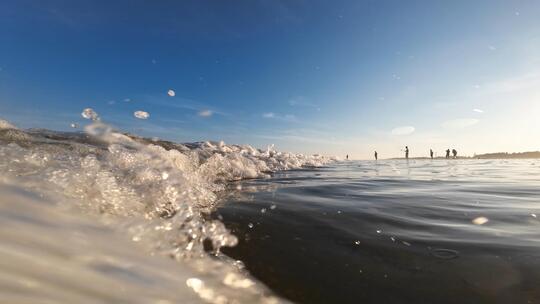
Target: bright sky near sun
<point x="331" y="77"/>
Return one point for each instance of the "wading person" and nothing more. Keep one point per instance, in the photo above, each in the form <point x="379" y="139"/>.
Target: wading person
<point x="431" y="153"/>
<point x="376" y="155"/>
<point x="406" y="152"/>
<point x="447" y="153"/>
<point x="454" y="152"/>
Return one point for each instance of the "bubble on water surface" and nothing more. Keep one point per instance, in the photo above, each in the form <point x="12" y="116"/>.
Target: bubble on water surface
<point x="446" y="254"/>
<point x="141" y="114"/>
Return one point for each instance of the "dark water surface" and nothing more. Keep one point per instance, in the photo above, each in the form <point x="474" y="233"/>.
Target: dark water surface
<point x="393" y="232"/>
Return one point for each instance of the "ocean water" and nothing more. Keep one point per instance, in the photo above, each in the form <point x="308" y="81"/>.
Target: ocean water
<point x="392" y="231"/>
<point x="104" y="217"/>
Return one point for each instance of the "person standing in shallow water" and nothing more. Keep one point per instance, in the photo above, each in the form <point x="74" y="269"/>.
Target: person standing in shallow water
<point x="347" y="157"/>
<point x="454" y="152"/>
<point x="406" y="152"/>
<point x="376" y="155"/>
<point x="431" y="153"/>
<point x="447" y="153"/>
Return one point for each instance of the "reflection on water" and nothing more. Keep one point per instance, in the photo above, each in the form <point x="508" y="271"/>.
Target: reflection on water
<point x="460" y="231"/>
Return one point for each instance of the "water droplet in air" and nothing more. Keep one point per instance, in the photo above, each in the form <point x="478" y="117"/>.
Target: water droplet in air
<point x="357" y="242"/>
<point x="263" y="210"/>
<point x="393" y="239"/>
<point x="141" y="114"/>
<point x="74" y="125"/>
<point x="379" y="231"/>
<point x="533" y="215"/>
<point x="89" y="113"/>
<point x="171" y="93"/>
<point x="250" y="225"/>
<point x="480" y="220"/>
<point x="273" y="207"/>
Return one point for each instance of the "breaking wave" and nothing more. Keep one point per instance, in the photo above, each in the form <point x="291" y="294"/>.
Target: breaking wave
<point x="152" y="194"/>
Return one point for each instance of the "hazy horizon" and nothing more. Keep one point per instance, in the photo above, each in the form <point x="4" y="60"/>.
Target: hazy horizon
<point x="338" y="78"/>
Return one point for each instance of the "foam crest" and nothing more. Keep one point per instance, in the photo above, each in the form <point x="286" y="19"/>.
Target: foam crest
<point x="154" y="191"/>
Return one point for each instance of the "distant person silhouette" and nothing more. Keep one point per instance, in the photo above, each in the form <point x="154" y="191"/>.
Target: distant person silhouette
<point x="347" y="157"/>
<point x="376" y="155"/>
<point x="431" y="153"/>
<point x="447" y="153"/>
<point x="454" y="152"/>
<point x="406" y="152"/>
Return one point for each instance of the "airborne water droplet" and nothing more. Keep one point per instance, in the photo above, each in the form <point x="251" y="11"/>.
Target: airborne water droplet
<point x="250" y="225"/>
<point x="141" y="114"/>
<point x="89" y="113"/>
<point x="171" y="93"/>
<point x="480" y="220"/>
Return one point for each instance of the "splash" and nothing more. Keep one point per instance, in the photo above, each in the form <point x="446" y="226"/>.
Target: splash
<point x="152" y="191"/>
<point x="89" y="113"/>
<point x="141" y="114"/>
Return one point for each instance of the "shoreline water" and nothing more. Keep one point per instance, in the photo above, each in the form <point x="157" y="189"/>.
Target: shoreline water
<point x="154" y="193"/>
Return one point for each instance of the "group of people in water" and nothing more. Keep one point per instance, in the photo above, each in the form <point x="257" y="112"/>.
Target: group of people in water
<point x="431" y="154"/>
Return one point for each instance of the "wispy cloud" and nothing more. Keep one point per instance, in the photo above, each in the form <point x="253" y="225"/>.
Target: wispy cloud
<point x="460" y="123"/>
<point x="283" y="117"/>
<point x="301" y="101"/>
<point x="511" y="84"/>
<point x="205" y="113"/>
<point x="404" y="130"/>
<point x="478" y="111"/>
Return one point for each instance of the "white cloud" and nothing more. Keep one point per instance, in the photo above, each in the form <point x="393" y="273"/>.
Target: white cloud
<point x="404" y="130"/>
<point x="460" y="123"/>
<point x="269" y="115"/>
<point x="478" y="111"/>
<point x="205" y="113"/>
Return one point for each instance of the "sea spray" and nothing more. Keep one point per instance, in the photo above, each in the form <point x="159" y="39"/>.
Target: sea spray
<point x="153" y="191"/>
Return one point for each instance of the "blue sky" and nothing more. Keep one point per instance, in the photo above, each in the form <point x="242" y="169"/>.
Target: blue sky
<point x="333" y="77"/>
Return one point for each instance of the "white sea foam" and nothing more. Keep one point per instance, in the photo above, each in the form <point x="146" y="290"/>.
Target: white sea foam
<point x="6" y="125"/>
<point x="152" y="192"/>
